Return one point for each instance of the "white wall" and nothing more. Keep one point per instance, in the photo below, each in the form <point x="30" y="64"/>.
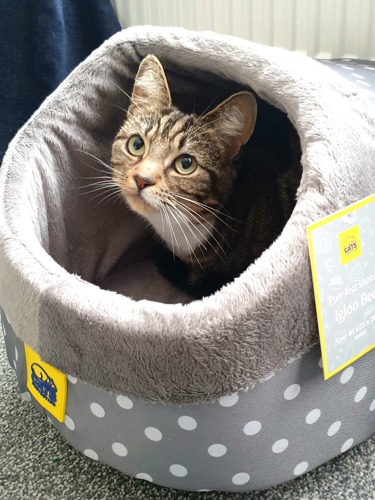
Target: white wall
<point x="320" y="28"/>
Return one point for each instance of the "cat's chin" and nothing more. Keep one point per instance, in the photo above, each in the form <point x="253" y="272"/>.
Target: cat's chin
<point x="140" y="206"/>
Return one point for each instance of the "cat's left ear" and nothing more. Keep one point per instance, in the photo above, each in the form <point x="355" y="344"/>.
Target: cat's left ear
<point x="150" y="87"/>
<point x="234" y="119"/>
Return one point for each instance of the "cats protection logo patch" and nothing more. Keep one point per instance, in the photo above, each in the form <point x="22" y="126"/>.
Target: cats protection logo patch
<point x="350" y="245"/>
<point x="46" y="384"/>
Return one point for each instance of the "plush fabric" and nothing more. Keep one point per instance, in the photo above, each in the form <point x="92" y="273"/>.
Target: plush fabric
<point x="60" y="248"/>
<point x="40" y="43"/>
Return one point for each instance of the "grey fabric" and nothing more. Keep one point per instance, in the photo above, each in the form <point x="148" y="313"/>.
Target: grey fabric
<point x="57" y="245"/>
<point x="283" y="427"/>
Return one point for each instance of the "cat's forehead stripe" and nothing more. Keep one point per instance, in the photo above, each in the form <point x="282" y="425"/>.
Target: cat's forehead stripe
<point x="153" y="127"/>
<point x="170" y="123"/>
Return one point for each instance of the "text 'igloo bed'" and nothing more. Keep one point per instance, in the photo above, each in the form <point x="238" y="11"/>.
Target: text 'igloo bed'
<point x="221" y="393"/>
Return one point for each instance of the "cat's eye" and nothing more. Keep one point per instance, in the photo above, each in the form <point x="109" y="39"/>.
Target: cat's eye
<point x="135" y="145"/>
<point x="185" y="164"/>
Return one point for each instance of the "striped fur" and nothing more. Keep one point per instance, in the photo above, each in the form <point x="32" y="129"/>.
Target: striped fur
<point x="219" y="218"/>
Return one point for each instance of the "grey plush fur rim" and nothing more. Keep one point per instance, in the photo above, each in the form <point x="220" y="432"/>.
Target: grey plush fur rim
<point x="168" y="352"/>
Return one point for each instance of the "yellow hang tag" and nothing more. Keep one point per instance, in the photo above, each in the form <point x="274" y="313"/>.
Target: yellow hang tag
<point x="46" y="384"/>
<point x="342" y="254"/>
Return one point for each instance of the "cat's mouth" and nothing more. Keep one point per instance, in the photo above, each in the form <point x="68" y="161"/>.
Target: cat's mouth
<point x="143" y="202"/>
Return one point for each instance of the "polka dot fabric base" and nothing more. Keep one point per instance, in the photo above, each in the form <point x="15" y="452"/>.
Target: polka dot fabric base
<point x="285" y="426"/>
<point x="359" y="72"/>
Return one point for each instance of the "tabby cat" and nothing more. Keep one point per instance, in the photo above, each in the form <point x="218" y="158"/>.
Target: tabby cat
<point x="215" y="204"/>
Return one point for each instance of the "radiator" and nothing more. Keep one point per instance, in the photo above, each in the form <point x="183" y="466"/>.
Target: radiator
<point x="319" y="28"/>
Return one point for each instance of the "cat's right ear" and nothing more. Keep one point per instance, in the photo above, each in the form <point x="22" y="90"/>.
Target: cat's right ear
<point x="150" y="87"/>
<point x="234" y="120"/>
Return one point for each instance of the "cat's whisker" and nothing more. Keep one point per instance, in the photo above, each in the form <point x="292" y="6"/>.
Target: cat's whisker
<point x="129" y="97"/>
<point x="191" y="212"/>
<point x="201" y="246"/>
<point x="161" y="207"/>
<point x="171" y="230"/>
<point x="98" y="186"/>
<point x="118" y="107"/>
<point x="167" y="220"/>
<point x="99" y="177"/>
<point x="103" y="182"/>
<point x="103" y="172"/>
<point x="99" y="191"/>
<point x="170" y="204"/>
<point x="191" y="119"/>
<point x="204" y="112"/>
<point x="184" y="234"/>
<point x="202" y="220"/>
<point x="109" y="195"/>
<point x="212" y="210"/>
<point x="109" y="167"/>
<point x="208" y="241"/>
<point x="202" y="127"/>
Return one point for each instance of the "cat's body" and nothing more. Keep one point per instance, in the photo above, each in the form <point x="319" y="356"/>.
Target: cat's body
<point x="216" y="199"/>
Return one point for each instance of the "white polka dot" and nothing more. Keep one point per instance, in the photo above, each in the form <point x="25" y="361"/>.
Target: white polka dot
<point x="91" y="454"/>
<point x="364" y="83"/>
<point x="313" y="416"/>
<point x="15" y="353"/>
<point x="4" y="331"/>
<point x="72" y="379"/>
<point x="241" y="478"/>
<point x="280" y="445"/>
<point x="143" y="475"/>
<point x="15" y="364"/>
<point x="124" y="402"/>
<point x="372" y="406"/>
<point x="97" y="410"/>
<point x="334" y="428"/>
<point x="187" y="423"/>
<point x="252" y="428"/>
<point x="26" y="396"/>
<point x="361" y="393"/>
<point x="292" y="392"/>
<point x="321" y="363"/>
<point x="7" y="318"/>
<point x="230" y="400"/>
<point x="346" y="375"/>
<point x="348" y="444"/>
<point x="268" y="377"/>
<point x="69" y="423"/>
<point x="178" y="470"/>
<point x="119" y="449"/>
<point x="153" y="434"/>
<point x="300" y="468"/>
<point x="217" y="450"/>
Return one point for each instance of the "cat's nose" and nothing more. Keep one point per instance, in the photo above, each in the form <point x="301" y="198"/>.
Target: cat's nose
<point x="143" y="182"/>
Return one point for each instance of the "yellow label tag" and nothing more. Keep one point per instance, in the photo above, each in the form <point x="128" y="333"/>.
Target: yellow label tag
<point x="350" y="245"/>
<point x="342" y="254"/>
<point x="46" y="384"/>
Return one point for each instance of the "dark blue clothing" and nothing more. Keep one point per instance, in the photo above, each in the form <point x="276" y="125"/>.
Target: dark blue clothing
<point x="41" y="41"/>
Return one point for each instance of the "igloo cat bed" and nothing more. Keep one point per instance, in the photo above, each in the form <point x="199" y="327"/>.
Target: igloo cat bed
<point x="222" y="393"/>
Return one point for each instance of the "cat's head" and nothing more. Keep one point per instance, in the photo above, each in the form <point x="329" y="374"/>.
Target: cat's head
<point x="162" y="156"/>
